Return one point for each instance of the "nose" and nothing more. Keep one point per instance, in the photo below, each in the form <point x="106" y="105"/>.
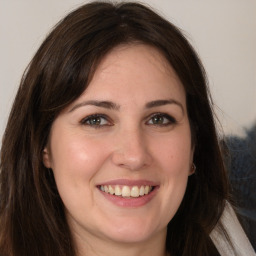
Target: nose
<point x="131" y="150"/>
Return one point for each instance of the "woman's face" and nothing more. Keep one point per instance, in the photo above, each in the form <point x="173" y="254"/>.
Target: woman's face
<point x="121" y="153"/>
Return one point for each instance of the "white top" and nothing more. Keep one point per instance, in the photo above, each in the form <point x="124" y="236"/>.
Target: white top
<point x="241" y="244"/>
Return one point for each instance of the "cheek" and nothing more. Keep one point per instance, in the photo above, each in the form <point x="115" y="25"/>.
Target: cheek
<point x="75" y="158"/>
<point x="175" y="154"/>
<point x="75" y="163"/>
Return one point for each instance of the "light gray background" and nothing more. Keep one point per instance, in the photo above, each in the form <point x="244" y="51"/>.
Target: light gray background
<point x="222" y="31"/>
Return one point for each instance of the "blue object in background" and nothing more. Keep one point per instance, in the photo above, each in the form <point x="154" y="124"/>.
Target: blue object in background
<point x="241" y="163"/>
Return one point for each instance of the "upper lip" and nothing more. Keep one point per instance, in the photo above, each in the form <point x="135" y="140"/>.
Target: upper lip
<point x="129" y="182"/>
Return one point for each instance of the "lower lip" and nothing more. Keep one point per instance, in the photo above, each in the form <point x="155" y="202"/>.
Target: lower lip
<point x="131" y="201"/>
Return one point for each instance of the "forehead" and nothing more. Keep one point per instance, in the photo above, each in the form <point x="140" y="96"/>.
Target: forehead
<point x="136" y="54"/>
<point x="129" y="72"/>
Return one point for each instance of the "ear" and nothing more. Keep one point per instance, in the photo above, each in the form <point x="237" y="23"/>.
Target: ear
<point x="46" y="158"/>
<point x="192" y="169"/>
<point x="192" y="165"/>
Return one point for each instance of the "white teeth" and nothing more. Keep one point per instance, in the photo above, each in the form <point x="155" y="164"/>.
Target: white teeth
<point x="142" y="189"/>
<point x="106" y="189"/>
<point x="126" y="191"/>
<point x="118" y="191"/>
<point x="111" y="190"/>
<point x="135" y="192"/>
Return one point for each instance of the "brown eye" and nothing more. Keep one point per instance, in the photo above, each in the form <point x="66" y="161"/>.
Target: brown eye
<point x="161" y="119"/>
<point x="95" y="120"/>
<point x="158" y="120"/>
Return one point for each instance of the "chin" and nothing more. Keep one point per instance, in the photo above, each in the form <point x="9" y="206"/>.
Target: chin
<point x="132" y="231"/>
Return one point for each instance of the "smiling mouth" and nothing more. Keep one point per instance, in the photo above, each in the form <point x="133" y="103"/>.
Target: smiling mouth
<point x="127" y="191"/>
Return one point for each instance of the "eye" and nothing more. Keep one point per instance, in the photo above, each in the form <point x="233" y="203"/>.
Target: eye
<point x="96" y="120"/>
<point x="161" y="119"/>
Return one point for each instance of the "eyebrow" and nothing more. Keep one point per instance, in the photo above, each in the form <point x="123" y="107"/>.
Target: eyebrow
<point x="114" y="106"/>
<point x="102" y="104"/>
<point x="158" y="103"/>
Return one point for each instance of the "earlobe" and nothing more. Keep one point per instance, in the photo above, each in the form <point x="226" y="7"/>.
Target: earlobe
<point x="192" y="169"/>
<point x="46" y="158"/>
<point x="192" y="165"/>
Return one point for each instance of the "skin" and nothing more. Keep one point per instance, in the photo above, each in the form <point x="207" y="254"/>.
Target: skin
<point x="126" y="143"/>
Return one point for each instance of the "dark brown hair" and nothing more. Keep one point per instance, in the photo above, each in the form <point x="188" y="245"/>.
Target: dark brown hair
<point x="32" y="219"/>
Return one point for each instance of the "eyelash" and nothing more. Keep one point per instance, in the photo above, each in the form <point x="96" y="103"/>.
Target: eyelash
<point x="170" y="120"/>
<point x="167" y="120"/>
<point x="96" y="116"/>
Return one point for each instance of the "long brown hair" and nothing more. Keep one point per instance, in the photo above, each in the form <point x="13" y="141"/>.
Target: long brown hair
<point x="32" y="219"/>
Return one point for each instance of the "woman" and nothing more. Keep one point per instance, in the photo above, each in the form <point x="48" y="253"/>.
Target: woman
<point x="111" y="147"/>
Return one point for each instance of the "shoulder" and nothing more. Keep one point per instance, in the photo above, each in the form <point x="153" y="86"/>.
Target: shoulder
<point x="240" y="244"/>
